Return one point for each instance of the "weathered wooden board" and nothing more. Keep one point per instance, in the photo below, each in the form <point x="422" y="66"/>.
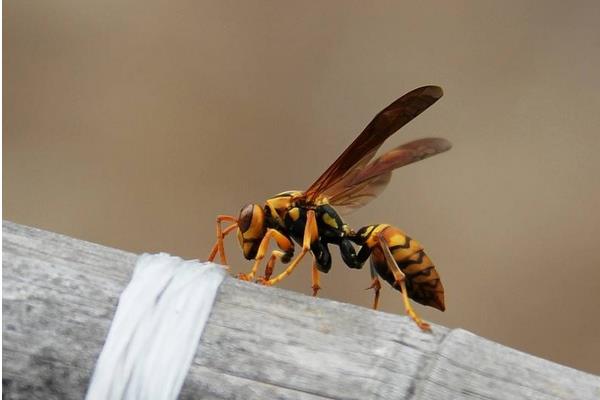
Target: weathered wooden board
<point x="59" y="296"/>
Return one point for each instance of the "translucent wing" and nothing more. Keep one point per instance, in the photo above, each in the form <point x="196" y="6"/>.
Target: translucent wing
<point x="364" y="147"/>
<point x="365" y="183"/>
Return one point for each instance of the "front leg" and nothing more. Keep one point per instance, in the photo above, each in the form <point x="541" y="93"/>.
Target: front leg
<point x="220" y="235"/>
<point x="284" y="244"/>
<point x="311" y="234"/>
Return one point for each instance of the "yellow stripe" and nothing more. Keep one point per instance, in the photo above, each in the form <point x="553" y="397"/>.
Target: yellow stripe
<point x="294" y="213"/>
<point x="372" y="238"/>
<point x="396" y="239"/>
<point x="329" y="220"/>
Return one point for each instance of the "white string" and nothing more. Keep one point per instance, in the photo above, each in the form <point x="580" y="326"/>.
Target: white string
<point x="156" y="329"/>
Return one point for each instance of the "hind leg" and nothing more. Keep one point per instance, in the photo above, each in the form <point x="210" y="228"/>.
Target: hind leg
<point x="375" y="285"/>
<point x="400" y="280"/>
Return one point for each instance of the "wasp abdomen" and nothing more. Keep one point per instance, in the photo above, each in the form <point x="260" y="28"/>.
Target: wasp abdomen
<point x="423" y="283"/>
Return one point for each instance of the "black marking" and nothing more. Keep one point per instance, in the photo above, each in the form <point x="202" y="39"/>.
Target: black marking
<point x="406" y="244"/>
<point x="419" y="260"/>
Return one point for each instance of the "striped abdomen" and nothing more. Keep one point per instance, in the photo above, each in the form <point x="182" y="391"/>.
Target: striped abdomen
<point x="423" y="283"/>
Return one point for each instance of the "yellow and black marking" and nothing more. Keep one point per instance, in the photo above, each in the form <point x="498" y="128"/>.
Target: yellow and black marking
<point x="423" y="283"/>
<point x="295" y="222"/>
<point x="278" y="206"/>
<point x="314" y="226"/>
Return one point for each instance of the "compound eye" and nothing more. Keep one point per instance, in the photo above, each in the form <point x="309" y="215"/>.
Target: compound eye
<point x="245" y="218"/>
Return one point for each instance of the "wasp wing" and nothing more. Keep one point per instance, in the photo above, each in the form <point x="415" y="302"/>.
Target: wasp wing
<point x="364" y="147"/>
<point x="366" y="183"/>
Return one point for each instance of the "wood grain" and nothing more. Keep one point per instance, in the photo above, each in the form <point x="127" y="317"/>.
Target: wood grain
<point x="60" y="293"/>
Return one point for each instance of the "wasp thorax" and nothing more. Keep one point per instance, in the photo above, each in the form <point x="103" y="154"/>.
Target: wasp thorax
<point x="251" y="229"/>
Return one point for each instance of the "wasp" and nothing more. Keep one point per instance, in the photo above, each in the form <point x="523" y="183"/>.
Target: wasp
<point x="312" y="218"/>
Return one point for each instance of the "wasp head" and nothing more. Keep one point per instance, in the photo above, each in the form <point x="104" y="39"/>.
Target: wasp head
<point x="251" y="229"/>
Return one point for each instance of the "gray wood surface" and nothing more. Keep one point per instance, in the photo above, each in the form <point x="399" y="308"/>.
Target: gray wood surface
<point x="60" y="293"/>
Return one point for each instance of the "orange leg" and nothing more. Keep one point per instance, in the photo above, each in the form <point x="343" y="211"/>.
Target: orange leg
<point x="316" y="279"/>
<point x="401" y="281"/>
<point x="284" y="257"/>
<point x="271" y="264"/>
<point x="310" y="235"/>
<point x="220" y="235"/>
<point x="282" y="241"/>
<point x="375" y="285"/>
<point x="215" y="248"/>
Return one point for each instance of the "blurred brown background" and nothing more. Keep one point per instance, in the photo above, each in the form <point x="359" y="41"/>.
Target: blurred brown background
<point x="132" y="124"/>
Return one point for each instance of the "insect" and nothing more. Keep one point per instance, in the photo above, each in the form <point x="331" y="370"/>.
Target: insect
<point x="312" y="218"/>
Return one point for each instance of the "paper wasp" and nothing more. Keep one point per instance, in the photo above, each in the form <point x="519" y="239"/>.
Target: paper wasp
<point x="312" y="219"/>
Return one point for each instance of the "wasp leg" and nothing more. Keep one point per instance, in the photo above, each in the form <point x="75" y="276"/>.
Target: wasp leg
<point x="283" y="242"/>
<point x="376" y="286"/>
<point x="271" y="263"/>
<point x="400" y="279"/>
<point x="220" y="236"/>
<point x="215" y="248"/>
<point x="316" y="279"/>
<point x="310" y="235"/>
<point x="284" y="257"/>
